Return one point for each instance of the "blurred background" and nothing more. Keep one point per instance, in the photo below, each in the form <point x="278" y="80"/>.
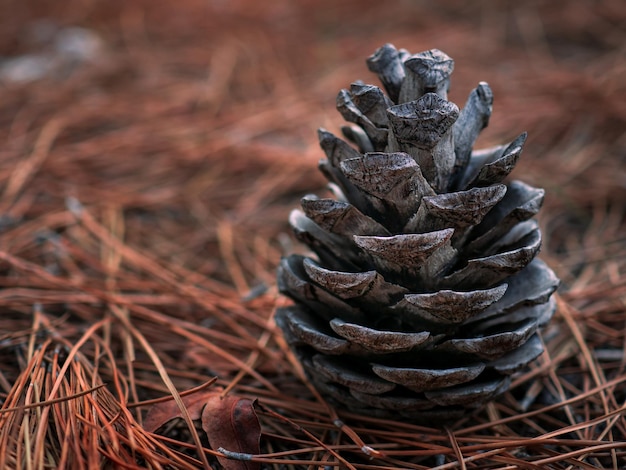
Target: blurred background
<point x="207" y="110"/>
<point x="193" y="122"/>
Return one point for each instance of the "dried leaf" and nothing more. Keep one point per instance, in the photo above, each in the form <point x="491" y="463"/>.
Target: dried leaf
<point x="230" y="423"/>
<point x="163" y="412"/>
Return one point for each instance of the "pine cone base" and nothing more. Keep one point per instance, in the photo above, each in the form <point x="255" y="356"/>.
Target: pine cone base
<point x="420" y="390"/>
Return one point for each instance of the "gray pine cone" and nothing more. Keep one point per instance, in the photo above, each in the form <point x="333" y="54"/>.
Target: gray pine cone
<point x="425" y="294"/>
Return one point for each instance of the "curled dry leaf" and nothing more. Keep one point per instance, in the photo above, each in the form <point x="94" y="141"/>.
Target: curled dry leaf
<point x="230" y="423"/>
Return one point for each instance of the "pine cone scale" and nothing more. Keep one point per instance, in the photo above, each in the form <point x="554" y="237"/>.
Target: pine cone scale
<point x="494" y="345"/>
<point x="378" y="341"/>
<point x="420" y="380"/>
<point x="452" y="307"/>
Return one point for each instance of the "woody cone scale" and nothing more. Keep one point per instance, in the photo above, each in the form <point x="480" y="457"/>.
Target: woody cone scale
<point x="422" y="295"/>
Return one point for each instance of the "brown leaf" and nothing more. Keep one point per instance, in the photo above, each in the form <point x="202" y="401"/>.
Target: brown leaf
<point x="230" y="423"/>
<point x="161" y="413"/>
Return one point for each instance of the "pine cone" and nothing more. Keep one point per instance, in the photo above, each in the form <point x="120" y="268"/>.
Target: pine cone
<point x="425" y="294"/>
